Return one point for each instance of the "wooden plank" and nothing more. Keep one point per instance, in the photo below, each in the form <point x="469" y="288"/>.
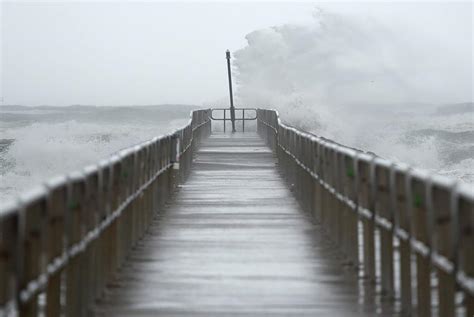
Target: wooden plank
<point x="365" y="201"/>
<point x="75" y="232"/>
<point x="9" y="238"/>
<point x="403" y="222"/>
<point x="353" y="217"/>
<point x="235" y="242"/>
<point x="421" y="233"/>
<point x="92" y="258"/>
<point x="104" y="210"/>
<point x="32" y="238"/>
<point x="384" y="209"/>
<point x="57" y="203"/>
<point x="443" y="245"/>
<point x="466" y="242"/>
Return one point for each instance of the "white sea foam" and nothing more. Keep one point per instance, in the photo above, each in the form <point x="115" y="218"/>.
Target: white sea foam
<point x="366" y="85"/>
<point x="40" y="149"/>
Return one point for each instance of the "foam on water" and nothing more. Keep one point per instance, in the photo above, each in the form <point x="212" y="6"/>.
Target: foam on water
<point x="33" y="151"/>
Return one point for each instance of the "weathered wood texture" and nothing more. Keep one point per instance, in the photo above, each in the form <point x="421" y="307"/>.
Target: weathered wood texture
<point x="234" y="242"/>
<point x="62" y="242"/>
<point x="415" y="228"/>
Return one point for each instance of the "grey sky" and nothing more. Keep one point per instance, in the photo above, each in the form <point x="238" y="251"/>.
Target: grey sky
<point x="127" y="53"/>
<point x="109" y="52"/>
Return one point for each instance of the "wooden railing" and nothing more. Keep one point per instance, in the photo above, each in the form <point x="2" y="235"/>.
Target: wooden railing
<point x="62" y="242"/>
<point x="413" y="216"/>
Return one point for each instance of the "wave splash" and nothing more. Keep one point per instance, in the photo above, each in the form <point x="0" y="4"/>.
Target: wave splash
<point x="38" y="143"/>
<point x="361" y="84"/>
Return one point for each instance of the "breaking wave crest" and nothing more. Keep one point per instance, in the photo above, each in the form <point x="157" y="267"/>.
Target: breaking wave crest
<point x="362" y="84"/>
<point x="38" y="143"/>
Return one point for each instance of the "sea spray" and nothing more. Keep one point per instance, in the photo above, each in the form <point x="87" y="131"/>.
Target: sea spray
<point x="38" y="143"/>
<point x="366" y="85"/>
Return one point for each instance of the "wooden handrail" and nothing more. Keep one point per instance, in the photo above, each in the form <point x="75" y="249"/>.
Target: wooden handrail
<point x="409" y="212"/>
<point x="70" y="235"/>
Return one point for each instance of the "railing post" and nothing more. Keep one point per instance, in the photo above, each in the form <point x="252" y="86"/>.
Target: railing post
<point x="352" y="193"/>
<point x="443" y="241"/>
<point x="313" y="187"/>
<point x="32" y="234"/>
<point x="337" y="205"/>
<point x="145" y="194"/>
<point x="383" y="208"/>
<point x="331" y="210"/>
<point x="112" y="229"/>
<point x="463" y="254"/>
<point x="420" y="232"/>
<point x="319" y="188"/>
<point x="324" y="191"/>
<point x="366" y="201"/>
<point x="104" y="210"/>
<point x="154" y="188"/>
<point x="341" y="210"/>
<point x="75" y="231"/>
<point x="9" y="245"/>
<point x="402" y="219"/>
<point x="57" y="199"/>
<point x="177" y="176"/>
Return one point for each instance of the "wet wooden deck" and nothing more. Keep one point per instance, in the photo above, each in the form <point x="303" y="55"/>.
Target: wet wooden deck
<point x="234" y="242"/>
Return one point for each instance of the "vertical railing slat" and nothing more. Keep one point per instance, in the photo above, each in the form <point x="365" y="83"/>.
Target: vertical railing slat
<point x="9" y="238"/>
<point x="32" y="237"/>
<point x="384" y="210"/>
<point x="411" y="216"/>
<point x="57" y="204"/>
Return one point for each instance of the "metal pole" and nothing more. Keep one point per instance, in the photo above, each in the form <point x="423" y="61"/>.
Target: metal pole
<point x="232" y="109"/>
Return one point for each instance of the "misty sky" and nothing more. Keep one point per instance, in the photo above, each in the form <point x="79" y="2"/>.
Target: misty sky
<point x="124" y="53"/>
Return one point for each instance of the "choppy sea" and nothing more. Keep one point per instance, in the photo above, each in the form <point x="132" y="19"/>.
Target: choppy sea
<point x="37" y="143"/>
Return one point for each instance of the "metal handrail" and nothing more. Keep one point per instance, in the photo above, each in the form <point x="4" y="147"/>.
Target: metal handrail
<point x="431" y="216"/>
<point x="85" y="223"/>
<point x="243" y="118"/>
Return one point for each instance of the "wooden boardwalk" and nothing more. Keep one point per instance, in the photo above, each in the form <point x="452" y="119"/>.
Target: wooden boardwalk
<point x="232" y="242"/>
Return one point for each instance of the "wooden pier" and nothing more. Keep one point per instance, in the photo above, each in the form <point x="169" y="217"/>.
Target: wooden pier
<point x="234" y="242"/>
<point x="275" y="222"/>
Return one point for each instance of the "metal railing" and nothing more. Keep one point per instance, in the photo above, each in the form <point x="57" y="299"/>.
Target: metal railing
<point x="64" y="240"/>
<point x="414" y="217"/>
<point x="242" y="111"/>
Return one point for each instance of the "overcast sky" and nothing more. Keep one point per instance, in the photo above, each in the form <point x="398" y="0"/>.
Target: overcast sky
<point x="109" y="52"/>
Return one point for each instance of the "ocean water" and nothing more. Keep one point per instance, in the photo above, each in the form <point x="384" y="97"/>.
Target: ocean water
<point x="439" y="139"/>
<point x="37" y="143"/>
